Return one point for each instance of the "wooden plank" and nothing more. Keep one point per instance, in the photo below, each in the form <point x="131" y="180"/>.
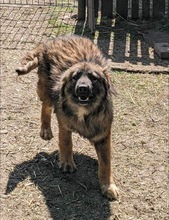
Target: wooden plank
<point x="158" y="9"/>
<point x="81" y="9"/>
<point x="107" y="8"/>
<point x="122" y="8"/>
<point x="135" y="9"/>
<point x="91" y="15"/>
<point x="96" y="7"/>
<point x="145" y="9"/>
<point x="133" y="68"/>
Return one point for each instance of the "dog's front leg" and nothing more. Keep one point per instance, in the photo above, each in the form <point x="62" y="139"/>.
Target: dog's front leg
<point x="108" y="187"/>
<point x="66" y="162"/>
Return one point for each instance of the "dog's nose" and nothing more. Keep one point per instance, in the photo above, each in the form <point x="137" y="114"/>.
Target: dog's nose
<point x="83" y="89"/>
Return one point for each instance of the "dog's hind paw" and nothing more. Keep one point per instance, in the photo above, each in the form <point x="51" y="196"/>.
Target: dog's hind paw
<point x="46" y="133"/>
<point x="67" y="167"/>
<point x="110" y="191"/>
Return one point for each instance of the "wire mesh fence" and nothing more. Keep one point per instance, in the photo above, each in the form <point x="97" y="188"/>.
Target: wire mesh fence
<point x="23" y="25"/>
<point x="36" y="2"/>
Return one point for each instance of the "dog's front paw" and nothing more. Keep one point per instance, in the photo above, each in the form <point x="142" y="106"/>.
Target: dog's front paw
<point x="67" y="167"/>
<point x="46" y="133"/>
<point x="110" y="191"/>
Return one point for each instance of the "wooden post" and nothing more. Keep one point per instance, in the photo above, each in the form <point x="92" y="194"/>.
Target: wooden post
<point x="158" y="9"/>
<point x="145" y="9"/>
<point x="96" y="7"/>
<point x="122" y="8"/>
<point x="81" y="9"/>
<point x="91" y="15"/>
<point x="135" y="9"/>
<point x="107" y="8"/>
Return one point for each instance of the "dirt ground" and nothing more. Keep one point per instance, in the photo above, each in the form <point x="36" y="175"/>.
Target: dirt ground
<point x="33" y="188"/>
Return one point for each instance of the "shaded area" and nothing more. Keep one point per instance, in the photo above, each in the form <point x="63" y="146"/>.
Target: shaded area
<point x="67" y="196"/>
<point x="124" y="42"/>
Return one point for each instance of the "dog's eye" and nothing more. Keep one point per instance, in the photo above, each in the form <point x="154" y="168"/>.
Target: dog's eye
<point x="93" y="78"/>
<point x="75" y="77"/>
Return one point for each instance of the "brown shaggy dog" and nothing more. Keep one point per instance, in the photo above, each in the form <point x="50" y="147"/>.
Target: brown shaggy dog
<point x="74" y="80"/>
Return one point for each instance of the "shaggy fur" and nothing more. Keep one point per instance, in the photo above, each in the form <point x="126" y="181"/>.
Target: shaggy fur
<point x="74" y="80"/>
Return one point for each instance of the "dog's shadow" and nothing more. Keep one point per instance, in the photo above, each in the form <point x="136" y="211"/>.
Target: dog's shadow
<point x="67" y="196"/>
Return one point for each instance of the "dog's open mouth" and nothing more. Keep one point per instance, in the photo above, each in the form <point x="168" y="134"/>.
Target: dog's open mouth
<point x="83" y="95"/>
<point x="83" y="100"/>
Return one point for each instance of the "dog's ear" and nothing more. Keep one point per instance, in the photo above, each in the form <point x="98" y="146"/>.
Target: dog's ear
<point x="59" y="87"/>
<point x="109" y="83"/>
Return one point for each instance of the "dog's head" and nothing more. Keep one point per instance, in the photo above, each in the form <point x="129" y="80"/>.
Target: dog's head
<point x="85" y="83"/>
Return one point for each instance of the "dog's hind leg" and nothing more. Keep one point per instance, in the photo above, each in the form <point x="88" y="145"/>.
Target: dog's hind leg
<point x="46" y="132"/>
<point x="47" y="107"/>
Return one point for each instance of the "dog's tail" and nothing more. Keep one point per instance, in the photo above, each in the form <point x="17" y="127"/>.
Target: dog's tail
<point x="29" y="62"/>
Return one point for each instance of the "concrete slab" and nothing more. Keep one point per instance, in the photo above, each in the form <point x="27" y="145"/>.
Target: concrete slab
<point x="153" y="36"/>
<point x="162" y="49"/>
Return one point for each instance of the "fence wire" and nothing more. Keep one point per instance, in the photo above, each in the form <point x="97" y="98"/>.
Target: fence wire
<point x="36" y="2"/>
<point x="24" y="25"/>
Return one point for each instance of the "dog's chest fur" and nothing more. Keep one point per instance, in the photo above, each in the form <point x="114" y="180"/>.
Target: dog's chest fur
<point x="81" y="112"/>
<point x="85" y="123"/>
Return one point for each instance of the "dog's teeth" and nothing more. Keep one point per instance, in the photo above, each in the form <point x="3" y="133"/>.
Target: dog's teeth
<point x="84" y="100"/>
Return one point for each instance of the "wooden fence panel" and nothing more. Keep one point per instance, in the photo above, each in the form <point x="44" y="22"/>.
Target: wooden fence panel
<point x="158" y="9"/>
<point x="135" y="9"/>
<point x="96" y="7"/>
<point x="145" y="9"/>
<point x="81" y="9"/>
<point x="122" y="8"/>
<point x="107" y="8"/>
<point x="91" y="15"/>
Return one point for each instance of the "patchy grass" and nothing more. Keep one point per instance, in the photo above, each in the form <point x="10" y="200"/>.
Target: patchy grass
<point x="29" y="171"/>
<point x="32" y="186"/>
<point x="63" y="19"/>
